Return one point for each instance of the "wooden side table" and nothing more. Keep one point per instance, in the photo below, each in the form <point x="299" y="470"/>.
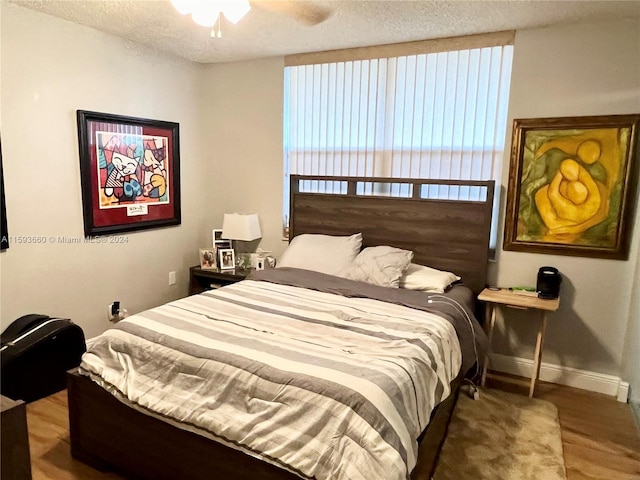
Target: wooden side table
<point x="201" y="279"/>
<point x="509" y="298"/>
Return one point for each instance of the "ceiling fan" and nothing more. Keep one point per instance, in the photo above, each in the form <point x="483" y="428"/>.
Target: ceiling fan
<point x="208" y="12"/>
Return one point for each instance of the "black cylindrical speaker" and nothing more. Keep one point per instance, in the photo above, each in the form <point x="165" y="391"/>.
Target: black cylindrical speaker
<point x="549" y="280"/>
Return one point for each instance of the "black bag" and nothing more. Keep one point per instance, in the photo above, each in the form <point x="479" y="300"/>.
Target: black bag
<point x="35" y="352"/>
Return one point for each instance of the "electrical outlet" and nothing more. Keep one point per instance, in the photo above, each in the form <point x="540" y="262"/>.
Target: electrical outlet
<point x="115" y="312"/>
<point x="172" y="278"/>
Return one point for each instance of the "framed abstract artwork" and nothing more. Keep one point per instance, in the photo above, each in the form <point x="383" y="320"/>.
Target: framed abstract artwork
<point x="130" y="173"/>
<point x="572" y="184"/>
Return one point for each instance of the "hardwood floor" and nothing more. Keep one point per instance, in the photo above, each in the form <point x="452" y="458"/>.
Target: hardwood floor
<point x="599" y="436"/>
<point x="48" y="423"/>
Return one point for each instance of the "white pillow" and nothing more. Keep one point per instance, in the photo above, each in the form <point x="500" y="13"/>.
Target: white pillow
<point x="419" y="277"/>
<point x="381" y="266"/>
<point x="321" y="253"/>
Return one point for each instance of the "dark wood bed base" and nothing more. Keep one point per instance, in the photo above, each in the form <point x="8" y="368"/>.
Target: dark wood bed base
<point x="448" y="235"/>
<point x="108" y="435"/>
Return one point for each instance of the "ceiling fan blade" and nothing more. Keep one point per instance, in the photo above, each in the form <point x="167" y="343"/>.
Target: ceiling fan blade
<point x="305" y="12"/>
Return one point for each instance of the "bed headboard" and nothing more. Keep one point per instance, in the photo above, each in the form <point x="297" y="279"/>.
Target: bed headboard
<point x="450" y="235"/>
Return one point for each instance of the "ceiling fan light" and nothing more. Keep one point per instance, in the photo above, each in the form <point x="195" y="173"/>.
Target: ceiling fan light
<point x="205" y="13"/>
<point x="234" y="10"/>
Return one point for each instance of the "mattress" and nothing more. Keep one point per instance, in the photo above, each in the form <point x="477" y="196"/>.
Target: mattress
<point x="325" y="377"/>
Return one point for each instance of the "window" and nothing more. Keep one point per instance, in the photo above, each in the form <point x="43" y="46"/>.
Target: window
<point x="416" y="110"/>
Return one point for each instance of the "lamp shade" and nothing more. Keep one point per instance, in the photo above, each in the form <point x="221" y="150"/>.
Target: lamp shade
<point x="236" y="226"/>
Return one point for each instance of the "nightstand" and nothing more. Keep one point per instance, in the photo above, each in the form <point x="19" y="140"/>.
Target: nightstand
<point x="201" y="279"/>
<point x="508" y="298"/>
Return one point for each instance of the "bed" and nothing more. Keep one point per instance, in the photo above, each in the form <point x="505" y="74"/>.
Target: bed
<point x="111" y="429"/>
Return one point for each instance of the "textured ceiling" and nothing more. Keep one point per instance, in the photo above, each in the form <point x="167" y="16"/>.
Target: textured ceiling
<point x="265" y="33"/>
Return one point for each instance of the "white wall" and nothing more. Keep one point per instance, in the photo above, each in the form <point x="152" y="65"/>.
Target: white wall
<point x="244" y="109"/>
<point x="51" y="68"/>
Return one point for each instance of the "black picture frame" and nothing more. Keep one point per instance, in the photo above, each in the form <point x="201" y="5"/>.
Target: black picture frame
<point x="4" y="234"/>
<point x="130" y="172"/>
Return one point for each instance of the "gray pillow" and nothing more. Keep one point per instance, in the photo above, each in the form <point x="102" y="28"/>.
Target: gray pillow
<point x="321" y="253"/>
<point x="381" y="266"/>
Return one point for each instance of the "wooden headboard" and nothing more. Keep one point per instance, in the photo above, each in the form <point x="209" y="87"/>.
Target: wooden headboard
<point x="450" y="235"/>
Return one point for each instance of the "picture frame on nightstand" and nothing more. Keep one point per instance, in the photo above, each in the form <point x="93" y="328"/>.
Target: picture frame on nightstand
<point x="208" y="259"/>
<point x="226" y="258"/>
<point x="217" y="237"/>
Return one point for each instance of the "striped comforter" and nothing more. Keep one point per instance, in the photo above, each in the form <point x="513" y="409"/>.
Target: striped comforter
<point x="325" y="385"/>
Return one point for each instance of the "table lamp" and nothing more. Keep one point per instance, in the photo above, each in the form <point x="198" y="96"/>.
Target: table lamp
<point x="241" y="230"/>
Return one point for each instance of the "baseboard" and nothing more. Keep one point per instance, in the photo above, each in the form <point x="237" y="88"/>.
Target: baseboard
<point x="623" y="392"/>
<point x="572" y="377"/>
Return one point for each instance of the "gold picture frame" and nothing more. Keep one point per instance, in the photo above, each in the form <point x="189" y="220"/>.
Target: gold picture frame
<point x="572" y="184"/>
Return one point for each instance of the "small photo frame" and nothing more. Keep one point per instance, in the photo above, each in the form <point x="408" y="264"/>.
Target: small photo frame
<point x="208" y="259"/>
<point x="217" y="237"/>
<point x="226" y="258"/>
<point x="224" y="244"/>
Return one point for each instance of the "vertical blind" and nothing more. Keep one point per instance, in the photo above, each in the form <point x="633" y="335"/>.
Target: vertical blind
<point x="438" y="115"/>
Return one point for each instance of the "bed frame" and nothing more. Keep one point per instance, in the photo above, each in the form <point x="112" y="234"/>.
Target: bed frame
<point x="449" y="235"/>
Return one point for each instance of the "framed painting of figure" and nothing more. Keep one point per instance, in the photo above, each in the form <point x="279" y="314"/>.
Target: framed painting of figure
<point x="572" y="184"/>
